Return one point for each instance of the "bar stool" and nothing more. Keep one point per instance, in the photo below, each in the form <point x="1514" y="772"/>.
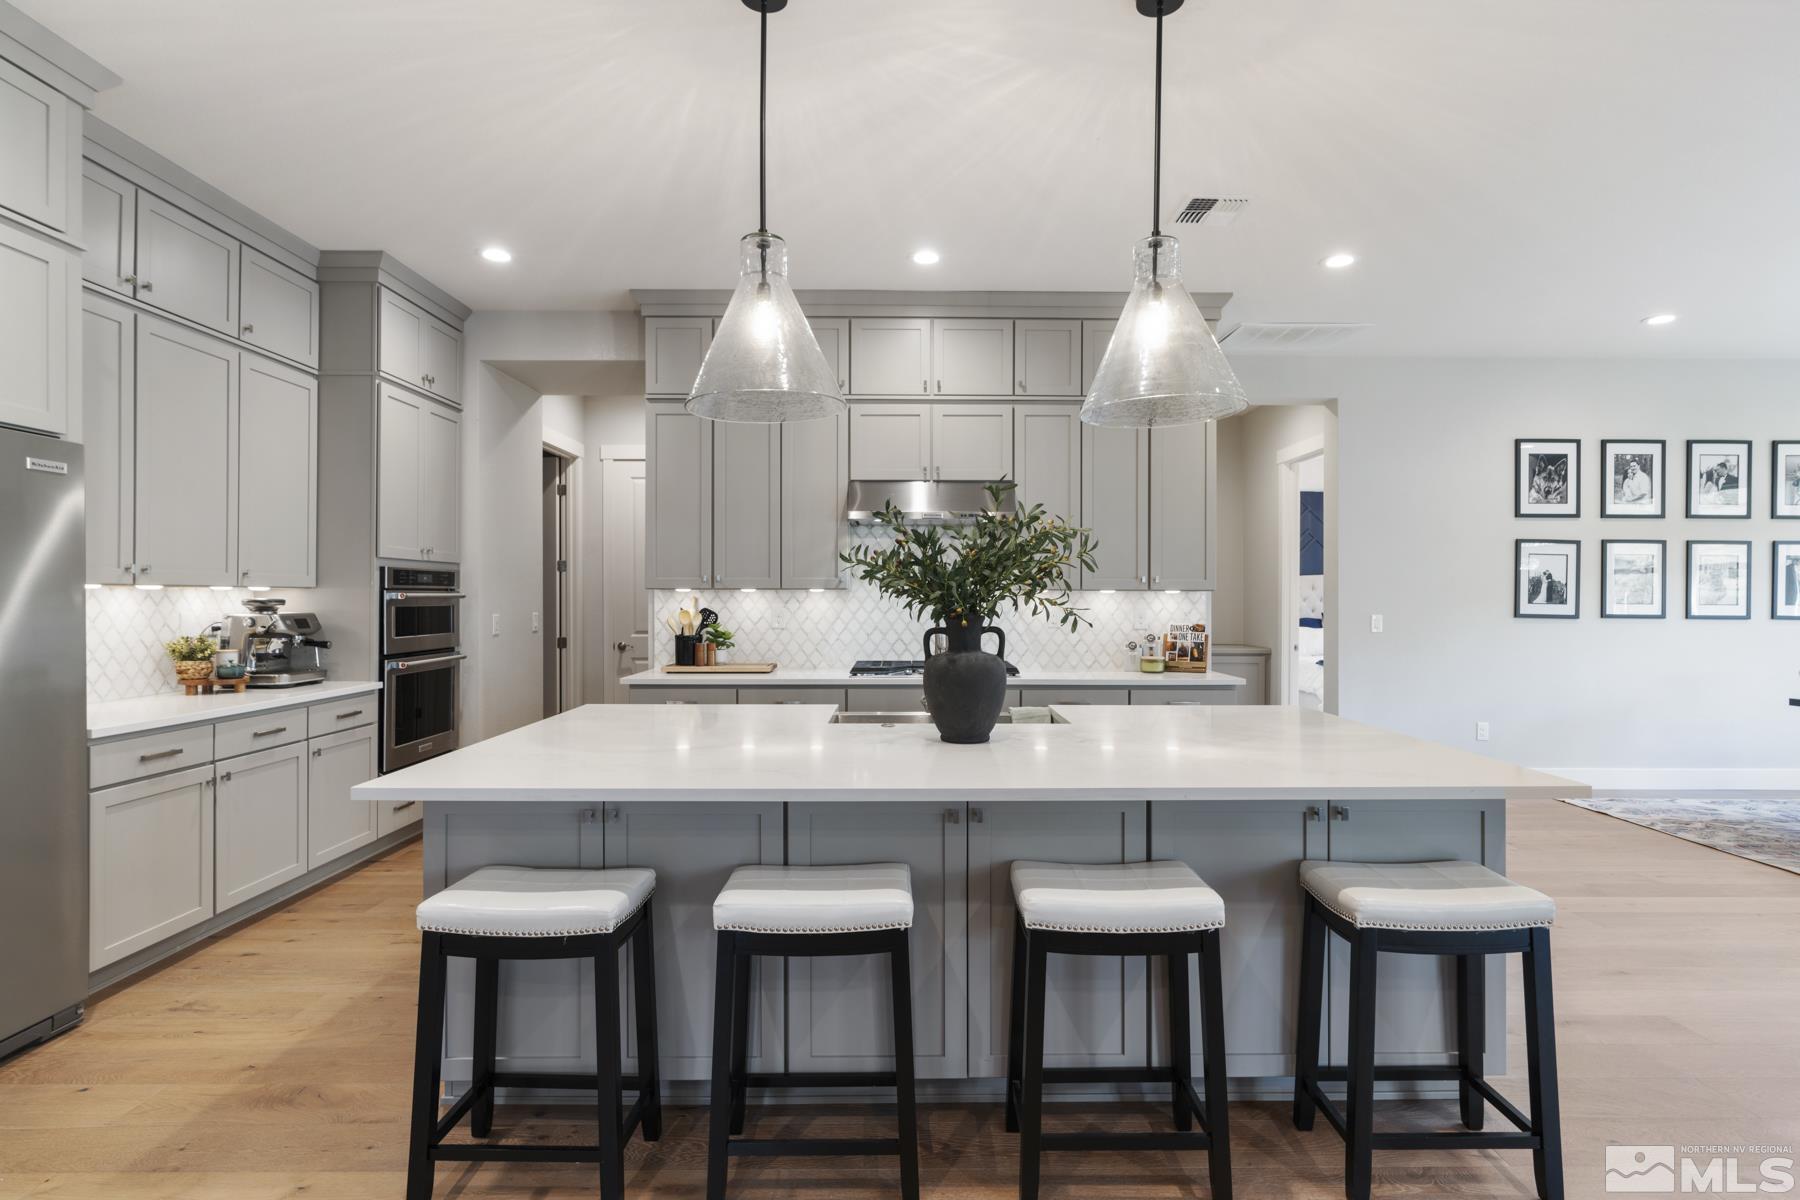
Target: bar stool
<point x="1132" y="908"/>
<point x="500" y="913"/>
<point x="1446" y="908"/>
<point x="808" y="912"/>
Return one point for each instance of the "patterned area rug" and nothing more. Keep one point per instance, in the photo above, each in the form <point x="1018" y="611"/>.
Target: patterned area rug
<point x="1766" y="831"/>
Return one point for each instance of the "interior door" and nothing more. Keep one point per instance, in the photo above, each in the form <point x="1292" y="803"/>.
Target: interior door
<point x="185" y="266"/>
<point x="278" y="428"/>
<point x="187" y="463"/>
<point x="626" y="602"/>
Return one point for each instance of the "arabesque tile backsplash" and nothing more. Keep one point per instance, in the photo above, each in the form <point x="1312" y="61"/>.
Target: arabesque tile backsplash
<point x="126" y="629"/>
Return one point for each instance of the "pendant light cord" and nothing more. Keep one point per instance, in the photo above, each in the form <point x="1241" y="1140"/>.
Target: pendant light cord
<point x="1156" y="170"/>
<point x="762" y="130"/>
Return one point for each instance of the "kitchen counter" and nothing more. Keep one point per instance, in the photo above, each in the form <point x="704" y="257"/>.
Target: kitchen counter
<point x="116" y="718"/>
<point x="840" y="677"/>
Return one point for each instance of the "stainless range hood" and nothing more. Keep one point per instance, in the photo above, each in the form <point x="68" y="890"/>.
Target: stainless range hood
<point x="949" y="502"/>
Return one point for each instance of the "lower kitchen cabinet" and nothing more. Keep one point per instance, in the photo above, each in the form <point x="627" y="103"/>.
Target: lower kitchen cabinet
<point x="683" y="695"/>
<point x="1181" y="695"/>
<point x="391" y="817"/>
<point x="1098" y="1008"/>
<point x="150" y="869"/>
<point x="791" y="695"/>
<point x="262" y="810"/>
<point x="1042" y="696"/>
<point x="908" y="698"/>
<point x="1249" y="663"/>
<point x="336" y="824"/>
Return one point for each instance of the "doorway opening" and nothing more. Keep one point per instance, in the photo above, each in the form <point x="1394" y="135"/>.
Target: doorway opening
<point x="1300" y="470"/>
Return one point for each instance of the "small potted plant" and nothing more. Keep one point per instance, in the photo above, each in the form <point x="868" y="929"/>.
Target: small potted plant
<point x="193" y="656"/>
<point x="960" y="581"/>
<point x="716" y="638"/>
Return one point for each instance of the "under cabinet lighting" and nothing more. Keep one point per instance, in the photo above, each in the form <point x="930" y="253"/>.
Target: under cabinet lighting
<point x="497" y="254"/>
<point x="1660" y="319"/>
<point x="254" y="589"/>
<point x="1171" y="591"/>
<point x="92" y="587"/>
<point x="926" y="257"/>
<point x="746" y="589"/>
<point x="1339" y="261"/>
<point x="816" y="591"/>
<point x="148" y="587"/>
<point x="1109" y="591"/>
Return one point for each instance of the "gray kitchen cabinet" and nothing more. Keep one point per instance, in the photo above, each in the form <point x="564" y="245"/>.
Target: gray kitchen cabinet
<point x="418" y="512"/>
<point x="278" y="503"/>
<point x="40" y="307"/>
<point x="1096" y="336"/>
<point x="1099" y="1009"/>
<point x="1249" y="663"/>
<point x="186" y="469"/>
<point x="972" y="356"/>
<point x="442" y="354"/>
<point x="1046" y="358"/>
<point x="690" y="872"/>
<point x="678" y="533"/>
<point x="278" y="308"/>
<point x="1115" y="505"/>
<point x="261" y="814"/>
<point x="815" y="474"/>
<point x="1183" y="506"/>
<point x="1039" y="697"/>
<point x="890" y="441"/>
<point x="1247" y="853"/>
<point x="109" y="228"/>
<point x="840" y="1010"/>
<point x="1187" y="696"/>
<point x="391" y="816"/>
<point x="833" y="336"/>
<point x="40" y="131"/>
<point x="747" y="511"/>
<point x="674" y="348"/>
<point x="440" y="482"/>
<point x="1047" y="459"/>
<point x="698" y="694"/>
<point x="336" y="824"/>
<point x="108" y="427"/>
<point x="886" y="698"/>
<point x="150" y="862"/>
<point x="185" y="266"/>
<point x="889" y="356"/>
<point x="791" y="695"/>
<point x="418" y="349"/>
<point x="972" y="442"/>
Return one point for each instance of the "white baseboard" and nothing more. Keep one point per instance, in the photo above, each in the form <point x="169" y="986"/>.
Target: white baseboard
<point x="1697" y="782"/>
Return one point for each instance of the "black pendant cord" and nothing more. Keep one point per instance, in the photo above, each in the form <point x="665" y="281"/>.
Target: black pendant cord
<point x="1156" y="170"/>
<point x="762" y="131"/>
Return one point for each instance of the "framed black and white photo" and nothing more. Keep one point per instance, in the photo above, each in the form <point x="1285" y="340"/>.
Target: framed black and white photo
<point x="1787" y="480"/>
<point x="1787" y="582"/>
<point x="1546" y="579"/>
<point x="1546" y="478"/>
<point x="1718" y="581"/>
<point x="1634" y="579"/>
<point x="1718" y="479"/>
<point x="1631" y="478"/>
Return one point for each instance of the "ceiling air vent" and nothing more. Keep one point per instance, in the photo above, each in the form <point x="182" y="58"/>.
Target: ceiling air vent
<point x="1255" y="336"/>
<point x="1212" y="211"/>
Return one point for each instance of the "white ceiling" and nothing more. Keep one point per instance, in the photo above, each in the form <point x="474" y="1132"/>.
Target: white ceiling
<point x="1522" y="176"/>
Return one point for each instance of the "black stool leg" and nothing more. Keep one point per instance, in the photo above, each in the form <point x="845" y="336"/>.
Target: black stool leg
<point x="643" y="977"/>
<point x="1359" y="1095"/>
<point x="1471" y="1033"/>
<point x="1181" y="1052"/>
<point x="606" y="1067"/>
<point x="1031" y="1099"/>
<point x="487" y="1033"/>
<point x="1212" y="1044"/>
<point x="740" y="1041"/>
<point x="1312" y="1000"/>
<point x="1015" y="1030"/>
<point x="1540" y="1057"/>
<point x="719" y="1131"/>
<point x="900" y="958"/>
<point x="428" y="1053"/>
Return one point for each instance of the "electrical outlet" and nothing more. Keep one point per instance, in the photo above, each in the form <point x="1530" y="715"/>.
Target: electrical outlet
<point x="536" y="622"/>
<point x="1481" y="731"/>
<point x="496" y="624"/>
<point x="1375" y="623"/>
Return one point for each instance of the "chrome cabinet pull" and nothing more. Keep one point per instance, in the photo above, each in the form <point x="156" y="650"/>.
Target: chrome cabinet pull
<point x="1339" y="813"/>
<point x="249" y="329"/>
<point x="925" y="386"/>
<point x="144" y="286"/>
<point x="1312" y="812"/>
<point x="1022" y="388"/>
<point x="976" y="816"/>
<point x="345" y="716"/>
<point x="318" y="753"/>
<point x="940" y="387"/>
<point x="953" y="816"/>
<point x="161" y="754"/>
<point x="404" y="806"/>
<point x="269" y="732"/>
<point x="225" y="778"/>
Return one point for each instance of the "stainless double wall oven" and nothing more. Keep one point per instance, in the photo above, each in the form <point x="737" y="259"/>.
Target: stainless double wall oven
<point x="421" y="667"/>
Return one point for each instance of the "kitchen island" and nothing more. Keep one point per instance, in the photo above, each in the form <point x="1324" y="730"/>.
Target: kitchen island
<point x="1242" y="794"/>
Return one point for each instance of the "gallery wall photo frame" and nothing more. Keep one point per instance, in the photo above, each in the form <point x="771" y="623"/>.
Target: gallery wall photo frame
<point x="1784" y="472"/>
<point x="1634" y="477"/>
<point x="1785" y="582"/>
<point x="1634" y="579"/>
<point x="1718" y="478"/>
<point x="1547" y="477"/>
<point x="1718" y="581"/>
<point x="1546" y="578"/>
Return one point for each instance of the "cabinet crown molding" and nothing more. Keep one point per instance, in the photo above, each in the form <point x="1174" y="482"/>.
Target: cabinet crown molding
<point x="52" y="59"/>
<point x="378" y="266"/>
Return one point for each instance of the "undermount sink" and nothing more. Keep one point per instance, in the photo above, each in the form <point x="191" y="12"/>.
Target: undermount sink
<point x="924" y="718"/>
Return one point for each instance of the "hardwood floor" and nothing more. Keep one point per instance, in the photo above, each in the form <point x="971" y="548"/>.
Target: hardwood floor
<point x="275" y="1061"/>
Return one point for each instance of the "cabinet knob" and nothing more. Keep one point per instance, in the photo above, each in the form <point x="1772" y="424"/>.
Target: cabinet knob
<point x="318" y="753"/>
<point x="249" y="329"/>
<point x="953" y="816"/>
<point x="144" y="286"/>
<point x="143" y="570"/>
<point x="1022" y="388"/>
<point x="925" y="386"/>
<point x="1312" y="812"/>
<point x="940" y="387"/>
<point x="621" y="646"/>
<point x="1339" y="813"/>
<point x="977" y="816"/>
<point x="225" y="778"/>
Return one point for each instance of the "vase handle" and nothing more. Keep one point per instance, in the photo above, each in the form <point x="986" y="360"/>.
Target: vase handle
<point x="999" y="633"/>
<point x="929" y="633"/>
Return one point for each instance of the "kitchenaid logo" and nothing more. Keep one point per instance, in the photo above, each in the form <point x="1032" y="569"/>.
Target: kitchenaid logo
<point x="1700" y="1170"/>
<point x="49" y="465"/>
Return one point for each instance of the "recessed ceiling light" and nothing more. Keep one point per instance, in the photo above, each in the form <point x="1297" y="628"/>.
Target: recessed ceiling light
<point x="497" y="254"/>
<point x="1660" y="319"/>
<point x="926" y="257"/>
<point x="1339" y="261"/>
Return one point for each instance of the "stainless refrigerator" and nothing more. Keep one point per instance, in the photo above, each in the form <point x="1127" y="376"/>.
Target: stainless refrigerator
<point x="43" y="740"/>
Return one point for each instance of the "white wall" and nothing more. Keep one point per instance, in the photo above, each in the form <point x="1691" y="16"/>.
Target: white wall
<point x="1422" y="506"/>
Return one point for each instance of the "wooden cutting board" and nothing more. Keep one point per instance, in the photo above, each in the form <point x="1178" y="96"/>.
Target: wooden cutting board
<point x="745" y="668"/>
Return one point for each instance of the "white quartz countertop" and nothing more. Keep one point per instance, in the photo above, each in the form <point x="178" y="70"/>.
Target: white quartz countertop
<point x="840" y="677"/>
<point x="116" y="718"/>
<point x="613" y="752"/>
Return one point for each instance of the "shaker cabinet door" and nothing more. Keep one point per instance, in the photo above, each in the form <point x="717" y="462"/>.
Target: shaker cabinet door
<point x="440" y="482"/>
<point x="1047" y="357"/>
<point x="1183" y="517"/>
<point x="972" y="442"/>
<point x="278" y="434"/>
<point x="674" y="348"/>
<point x="109" y="431"/>
<point x="336" y="824"/>
<point x="973" y="356"/>
<point x="399" y="528"/>
<point x="833" y="336"/>
<point x="1115" y="505"/>
<point x="1096" y="336"/>
<point x="1047" y="458"/>
<point x="815" y="474"/>
<point x="747" y="504"/>
<point x="280" y="309"/>
<point x="890" y="356"/>
<point x="890" y="441"/>
<point x="678" y="535"/>
<point x="185" y="266"/>
<point x="40" y="302"/>
<point x="36" y="143"/>
<point x="187" y="462"/>
<point x="109" y="227"/>
<point x="150" y="862"/>
<point x="402" y="340"/>
<point x="262" y="803"/>
<point x="442" y="354"/>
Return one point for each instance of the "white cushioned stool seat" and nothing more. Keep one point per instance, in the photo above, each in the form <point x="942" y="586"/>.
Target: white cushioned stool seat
<point x="1425" y="896"/>
<point x="1146" y="897"/>
<point x="848" y="899"/>
<point x="537" y="902"/>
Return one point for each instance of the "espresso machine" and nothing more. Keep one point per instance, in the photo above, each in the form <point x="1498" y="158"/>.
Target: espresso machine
<point x="279" y="649"/>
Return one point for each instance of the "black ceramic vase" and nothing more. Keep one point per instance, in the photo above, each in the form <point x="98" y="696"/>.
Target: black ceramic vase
<point x="965" y="686"/>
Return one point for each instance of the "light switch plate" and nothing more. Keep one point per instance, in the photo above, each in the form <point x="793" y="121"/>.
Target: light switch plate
<point x="496" y="624"/>
<point x="536" y="622"/>
<point x="1375" y="623"/>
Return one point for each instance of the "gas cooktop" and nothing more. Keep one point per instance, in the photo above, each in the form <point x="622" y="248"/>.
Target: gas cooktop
<point x="898" y="666"/>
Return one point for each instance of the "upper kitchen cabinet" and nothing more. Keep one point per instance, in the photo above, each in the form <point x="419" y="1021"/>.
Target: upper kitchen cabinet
<point x="1115" y="505"/>
<point x="419" y="478"/>
<point x="678" y="533"/>
<point x="674" y="348"/>
<point x="443" y="360"/>
<point x="40" y="306"/>
<point x="815" y="475"/>
<point x="1047" y="458"/>
<point x="108" y="426"/>
<point x="185" y="266"/>
<point x="972" y="442"/>
<point x="1096" y="336"/>
<point x="186" y="470"/>
<point x="1183" y="508"/>
<point x="833" y="336"/>
<point x="890" y="356"/>
<point x="890" y="441"/>
<point x="418" y="349"/>
<point x="109" y="227"/>
<point x="1047" y="358"/>
<point x="746" y="524"/>
<point x="278" y="423"/>
<point x="973" y="356"/>
<point x="280" y="309"/>
<point x="39" y="148"/>
<point x="440" y="473"/>
<point x="931" y="441"/>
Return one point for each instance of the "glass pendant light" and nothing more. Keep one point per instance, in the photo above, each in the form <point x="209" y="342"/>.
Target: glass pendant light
<point x="1163" y="365"/>
<point x="764" y="363"/>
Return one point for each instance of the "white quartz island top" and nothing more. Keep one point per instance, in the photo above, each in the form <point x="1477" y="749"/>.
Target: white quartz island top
<point x="841" y="677"/>
<point x="616" y="752"/>
<point x="116" y="718"/>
